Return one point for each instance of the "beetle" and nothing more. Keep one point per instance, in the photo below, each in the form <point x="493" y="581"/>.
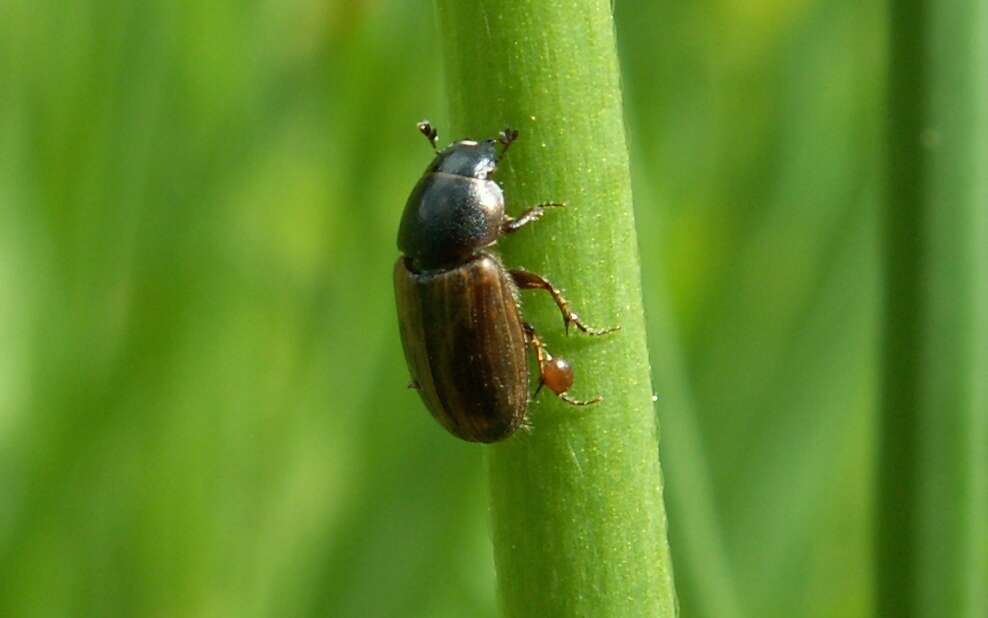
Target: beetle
<point x="459" y="315"/>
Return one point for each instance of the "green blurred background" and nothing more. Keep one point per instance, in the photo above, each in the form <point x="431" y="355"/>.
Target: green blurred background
<point x="202" y="402"/>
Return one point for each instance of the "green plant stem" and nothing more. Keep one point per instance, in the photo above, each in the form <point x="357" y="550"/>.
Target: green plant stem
<point x="579" y="527"/>
<point x="933" y="472"/>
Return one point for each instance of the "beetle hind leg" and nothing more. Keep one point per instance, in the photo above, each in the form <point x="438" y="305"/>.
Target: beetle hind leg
<point x="580" y="402"/>
<point x="541" y="353"/>
<point x="554" y="372"/>
<point x="526" y="280"/>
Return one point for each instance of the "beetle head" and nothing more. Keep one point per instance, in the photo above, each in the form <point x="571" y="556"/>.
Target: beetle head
<point x="467" y="158"/>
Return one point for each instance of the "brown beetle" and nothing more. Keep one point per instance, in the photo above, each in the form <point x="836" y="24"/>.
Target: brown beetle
<point x="458" y="306"/>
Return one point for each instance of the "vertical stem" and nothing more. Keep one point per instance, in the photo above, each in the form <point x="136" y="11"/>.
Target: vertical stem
<point x="933" y="471"/>
<point x="579" y="525"/>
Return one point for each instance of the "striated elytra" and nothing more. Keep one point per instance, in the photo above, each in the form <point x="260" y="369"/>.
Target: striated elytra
<point x="461" y="327"/>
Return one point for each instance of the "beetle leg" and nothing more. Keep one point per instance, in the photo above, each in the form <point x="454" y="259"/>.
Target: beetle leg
<point x="530" y="281"/>
<point x="541" y="354"/>
<point x="547" y="367"/>
<point x="579" y="402"/>
<point x="513" y="224"/>
<point x="538" y="346"/>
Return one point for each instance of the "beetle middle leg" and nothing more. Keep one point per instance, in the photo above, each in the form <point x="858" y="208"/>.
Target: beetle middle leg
<point x="554" y="372"/>
<point x="526" y="280"/>
<point x="511" y="225"/>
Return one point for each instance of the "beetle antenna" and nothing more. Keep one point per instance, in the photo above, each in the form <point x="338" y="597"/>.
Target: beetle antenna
<point x="506" y="138"/>
<point x="425" y="128"/>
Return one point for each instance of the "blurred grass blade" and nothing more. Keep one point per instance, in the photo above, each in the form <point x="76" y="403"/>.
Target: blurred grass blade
<point x="933" y="472"/>
<point x="704" y="566"/>
<point x="579" y="525"/>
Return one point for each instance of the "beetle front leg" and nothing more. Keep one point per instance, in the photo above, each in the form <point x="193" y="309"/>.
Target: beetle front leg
<point x="526" y="280"/>
<point x="555" y="373"/>
<point x="511" y="225"/>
